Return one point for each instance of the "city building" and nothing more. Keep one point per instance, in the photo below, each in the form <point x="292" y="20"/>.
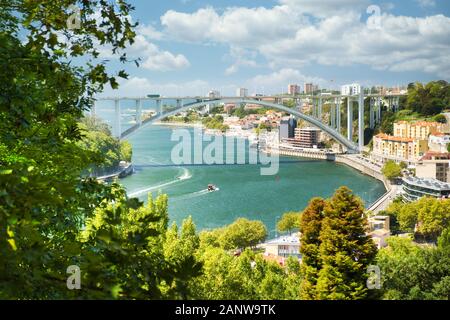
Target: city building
<point x="287" y="128"/>
<point x="416" y="130"/>
<point x="213" y="94"/>
<point x="307" y="137"/>
<point x="386" y="147"/>
<point x="350" y="89"/>
<point x="415" y="188"/>
<point x="434" y="165"/>
<point x="242" y="92"/>
<point x="229" y="107"/>
<point x="438" y="142"/>
<point x="309" y="88"/>
<point x="284" y="246"/>
<point x="379" y="230"/>
<point x="293" y="89"/>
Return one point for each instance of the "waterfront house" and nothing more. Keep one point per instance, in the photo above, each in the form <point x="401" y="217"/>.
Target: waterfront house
<point x="284" y="246"/>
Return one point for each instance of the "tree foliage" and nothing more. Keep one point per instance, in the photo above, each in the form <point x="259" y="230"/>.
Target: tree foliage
<point x="413" y="272"/>
<point x="98" y="140"/>
<point x="427" y="216"/>
<point x="241" y="234"/>
<point x="391" y="170"/>
<point x="337" y="249"/>
<point x="429" y="99"/>
<point x="289" y="222"/>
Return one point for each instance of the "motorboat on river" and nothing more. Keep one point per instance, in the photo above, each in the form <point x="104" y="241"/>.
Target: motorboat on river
<point x="212" y="188"/>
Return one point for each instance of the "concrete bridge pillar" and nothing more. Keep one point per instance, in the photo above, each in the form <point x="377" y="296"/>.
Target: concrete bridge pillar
<point x="349" y="118"/>
<point x="361" y="120"/>
<point x="338" y="114"/>
<point x="319" y="114"/>
<point x="117" y="119"/>
<point x="379" y="110"/>
<point x="158" y="107"/>
<point x="333" y="116"/>
<point x="371" y="114"/>
<point x="139" y="112"/>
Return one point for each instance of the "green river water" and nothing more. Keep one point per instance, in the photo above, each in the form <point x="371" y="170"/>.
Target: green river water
<point x="243" y="191"/>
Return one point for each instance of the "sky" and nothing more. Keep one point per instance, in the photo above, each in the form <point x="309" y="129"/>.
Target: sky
<point x="188" y="47"/>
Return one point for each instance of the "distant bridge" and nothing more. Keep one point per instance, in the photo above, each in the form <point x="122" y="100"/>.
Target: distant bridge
<point x="273" y="102"/>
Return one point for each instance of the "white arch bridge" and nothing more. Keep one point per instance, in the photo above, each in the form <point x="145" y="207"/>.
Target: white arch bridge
<point x="332" y="128"/>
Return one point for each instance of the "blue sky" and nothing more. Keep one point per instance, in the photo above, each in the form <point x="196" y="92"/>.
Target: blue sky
<point x="192" y="46"/>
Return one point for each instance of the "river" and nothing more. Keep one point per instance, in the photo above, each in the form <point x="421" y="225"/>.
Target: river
<point x="243" y="192"/>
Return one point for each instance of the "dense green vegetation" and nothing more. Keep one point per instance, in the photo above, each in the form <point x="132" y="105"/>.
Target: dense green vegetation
<point x="289" y="222"/>
<point x="412" y="272"/>
<point x="391" y="170"/>
<point x="97" y="139"/>
<point x="215" y="122"/>
<point x="240" y="234"/>
<point x="429" y="99"/>
<point x="427" y="217"/>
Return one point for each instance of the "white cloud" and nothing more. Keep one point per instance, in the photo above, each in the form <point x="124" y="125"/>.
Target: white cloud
<point x="240" y="26"/>
<point x="336" y="36"/>
<point x="152" y="57"/>
<point x="241" y="58"/>
<point x="149" y="32"/>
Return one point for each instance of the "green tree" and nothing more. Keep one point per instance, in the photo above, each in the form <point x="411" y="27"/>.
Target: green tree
<point x="429" y="215"/>
<point x="345" y="249"/>
<point x="413" y="272"/>
<point x="180" y="253"/>
<point x="310" y="227"/>
<point x="288" y="222"/>
<point x="440" y="118"/>
<point x="243" y="233"/>
<point x="403" y="165"/>
<point x="429" y="99"/>
<point x="391" y="170"/>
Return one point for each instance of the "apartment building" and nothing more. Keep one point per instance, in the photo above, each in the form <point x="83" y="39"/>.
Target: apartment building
<point x="398" y="148"/>
<point x="351" y="89"/>
<point x="293" y="89"/>
<point x="416" y="130"/>
<point x="242" y="92"/>
<point x="434" y="165"/>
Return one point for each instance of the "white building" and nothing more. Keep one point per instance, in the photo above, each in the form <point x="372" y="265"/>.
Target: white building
<point x="283" y="246"/>
<point x="351" y="89"/>
<point x="242" y="92"/>
<point x="293" y="89"/>
<point x="438" y="142"/>
<point x="213" y="94"/>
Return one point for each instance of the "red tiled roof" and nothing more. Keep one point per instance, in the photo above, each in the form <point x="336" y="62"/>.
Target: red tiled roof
<point x="441" y="155"/>
<point x="384" y="136"/>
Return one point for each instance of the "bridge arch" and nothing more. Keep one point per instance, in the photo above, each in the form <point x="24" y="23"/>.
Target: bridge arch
<point x="315" y="122"/>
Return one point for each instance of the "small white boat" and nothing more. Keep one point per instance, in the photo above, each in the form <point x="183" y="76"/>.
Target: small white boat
<point x="212" y="188"/>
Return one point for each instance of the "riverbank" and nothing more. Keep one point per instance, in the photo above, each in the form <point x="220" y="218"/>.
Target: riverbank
<point x="179" y="124"/>
<point x="354" y="162"/>
<point x="123" y="172"/>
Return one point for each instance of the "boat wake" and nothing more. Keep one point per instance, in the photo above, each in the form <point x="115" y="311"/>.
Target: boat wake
<point x="196" y="194"/>
<point x="185" y="176"/>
